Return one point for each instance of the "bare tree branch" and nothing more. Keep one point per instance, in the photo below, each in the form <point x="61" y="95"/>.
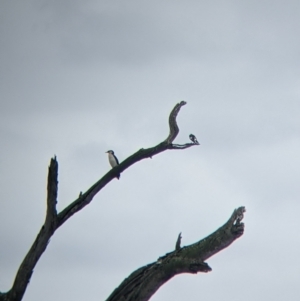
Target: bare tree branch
<point x="51" y="215"/>
<point x="181" y="146"/>
<point x="53" y="220"/>
<point x="40" y="244"/>
<point x="174" y="129"/>
<point x="145" y="281"/>
<point x="141" y="154"/>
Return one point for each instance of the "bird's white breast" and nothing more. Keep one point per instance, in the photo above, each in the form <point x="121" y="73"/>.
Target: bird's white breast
<point x="112" y="160"/>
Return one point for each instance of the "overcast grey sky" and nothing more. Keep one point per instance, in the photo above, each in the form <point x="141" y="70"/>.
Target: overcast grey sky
<point x="81" y="77"/>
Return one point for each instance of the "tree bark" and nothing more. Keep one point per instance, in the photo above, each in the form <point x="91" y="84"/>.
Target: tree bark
<point x="145" y="281"/>
<point x="53" y="220"/>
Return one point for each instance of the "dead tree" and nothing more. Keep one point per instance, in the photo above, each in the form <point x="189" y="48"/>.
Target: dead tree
<point x="144" y="282"/>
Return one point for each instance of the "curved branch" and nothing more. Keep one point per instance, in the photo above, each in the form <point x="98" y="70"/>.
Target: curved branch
<point x="141" y="154"/>
<point x="174" y="129"/>
<point x="144" y="282"/>
<point x="53" y="220"/>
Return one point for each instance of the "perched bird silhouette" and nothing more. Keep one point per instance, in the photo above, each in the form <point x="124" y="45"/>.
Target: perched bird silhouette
<point x="193" y="139"/>
<point x="113" y="161"/>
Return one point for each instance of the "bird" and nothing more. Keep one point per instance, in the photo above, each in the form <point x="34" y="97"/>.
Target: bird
<point x="193" y="139"/>
<point x="113" y="161"/>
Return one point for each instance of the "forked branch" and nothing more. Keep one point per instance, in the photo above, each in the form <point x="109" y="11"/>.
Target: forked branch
<point x="141" y="154"/>
<point x="53" y="220"/>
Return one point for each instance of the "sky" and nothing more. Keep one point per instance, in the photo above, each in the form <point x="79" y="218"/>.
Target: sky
<point x="78" y="78"/>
